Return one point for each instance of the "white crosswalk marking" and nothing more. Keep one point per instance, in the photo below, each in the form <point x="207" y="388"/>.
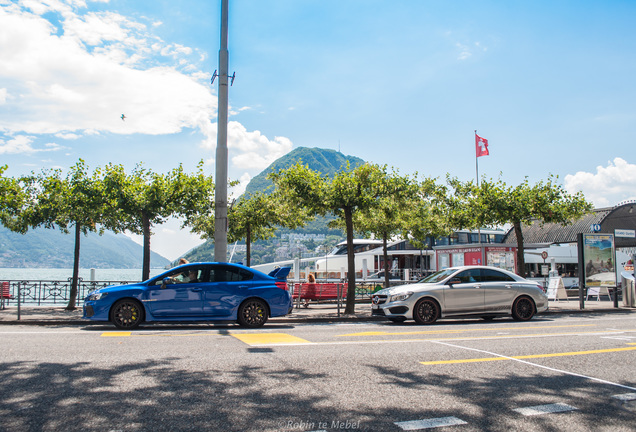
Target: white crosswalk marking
<point x="544" y="409"/>
<point x="625" y="396"/>
<point x="430" y="423"/>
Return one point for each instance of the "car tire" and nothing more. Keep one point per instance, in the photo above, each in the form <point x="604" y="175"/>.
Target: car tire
<point x="127" y="314"/>
<point x="426" y="311"/>
<point x="397" y="319"/>
<point x="252" y="313"/>
<point x="523" y="309"/>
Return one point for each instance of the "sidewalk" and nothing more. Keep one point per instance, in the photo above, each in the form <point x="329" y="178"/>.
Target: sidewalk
<point x="323" y="312"/>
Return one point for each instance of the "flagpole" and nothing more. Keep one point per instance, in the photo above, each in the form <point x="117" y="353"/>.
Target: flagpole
<point x="479" y="227"/>
<point x="476" y="161"/>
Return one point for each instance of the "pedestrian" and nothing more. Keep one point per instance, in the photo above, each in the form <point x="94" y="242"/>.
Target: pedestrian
<point x="311" y="287"/>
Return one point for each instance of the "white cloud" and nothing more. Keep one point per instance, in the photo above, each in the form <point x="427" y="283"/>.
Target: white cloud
<point x="68" y="136"/>
<point x="256" y="151"/>
<point x="95" y="28"/>
<point x="52" y="147"/>
<point x="79" y="78"/>
<point x="175" y="50"/>
<point x="20" y="144"/>
<point x="464" y="51"/>
<point x="238" y="190"/>
<point x="608" y="186"/>
<point x="60" y="85"/>
<point x="248" y="151"/>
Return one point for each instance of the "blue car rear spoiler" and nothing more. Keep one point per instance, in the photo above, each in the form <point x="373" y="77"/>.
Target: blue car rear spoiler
<point x="280" y="273"/>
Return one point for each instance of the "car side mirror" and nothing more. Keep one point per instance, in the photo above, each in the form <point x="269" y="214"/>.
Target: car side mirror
<point x="454" y="281"/>
<point x="165" y="282"/>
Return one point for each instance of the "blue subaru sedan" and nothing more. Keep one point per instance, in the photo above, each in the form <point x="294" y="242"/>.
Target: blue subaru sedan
<point x="195" y="292"/>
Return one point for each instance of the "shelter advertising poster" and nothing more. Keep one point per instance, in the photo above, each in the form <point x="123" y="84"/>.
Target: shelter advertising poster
<point x="598" y="256"/>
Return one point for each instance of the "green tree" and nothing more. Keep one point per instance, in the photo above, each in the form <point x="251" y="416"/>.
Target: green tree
<point x="143" y="199"/>
<point x="14" y="202"/>
<point x="494" y="203"/>
<point x="385" y="217"/>
<point x="253" y="217"/>
<point x="72" y="202"/>
<point x="348" y="192"/>
<point x="257" y="216"/>
<point x="431" y="214"/>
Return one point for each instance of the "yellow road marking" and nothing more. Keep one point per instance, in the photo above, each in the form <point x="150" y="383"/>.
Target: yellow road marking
<point x="268" y="338"/>
<point x="116" y="334"/>
<point x="125" y="334"/>
<point x="419" y="332"/>
<point x="533" y="356"/>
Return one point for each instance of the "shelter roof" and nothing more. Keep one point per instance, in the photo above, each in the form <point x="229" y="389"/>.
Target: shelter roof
<point x="622" y="216"/>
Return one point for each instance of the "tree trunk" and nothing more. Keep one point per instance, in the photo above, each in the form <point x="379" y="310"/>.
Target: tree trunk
<point x="75" y="279"/>
<point x="521" y="264"/>
<point x="386" y="262"/>
<point x="248" y="248"/>
<point x="145" y="272"/>
<point x="350" y="307"/>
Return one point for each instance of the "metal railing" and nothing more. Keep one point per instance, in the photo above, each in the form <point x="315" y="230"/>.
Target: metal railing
<point x="48" y="292"/>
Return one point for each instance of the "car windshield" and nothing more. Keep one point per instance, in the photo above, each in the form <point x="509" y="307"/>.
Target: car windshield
<point x="438" y="276"/>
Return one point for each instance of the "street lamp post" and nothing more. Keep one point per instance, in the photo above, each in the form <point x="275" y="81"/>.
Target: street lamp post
<point x="220" y="189"/>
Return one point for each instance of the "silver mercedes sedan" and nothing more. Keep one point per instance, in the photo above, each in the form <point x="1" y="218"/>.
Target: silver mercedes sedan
<point x="468" y="291"/>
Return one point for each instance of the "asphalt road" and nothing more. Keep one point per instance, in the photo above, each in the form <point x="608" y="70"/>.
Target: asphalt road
<point x="555" y="373"/>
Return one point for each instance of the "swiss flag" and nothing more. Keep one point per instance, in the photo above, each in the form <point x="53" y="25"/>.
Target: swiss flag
<point x="481" y="146"/>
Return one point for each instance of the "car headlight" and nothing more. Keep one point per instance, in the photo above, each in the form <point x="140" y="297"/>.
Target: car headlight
<point x="97" y="296"/>
<point x="400" y="297"/>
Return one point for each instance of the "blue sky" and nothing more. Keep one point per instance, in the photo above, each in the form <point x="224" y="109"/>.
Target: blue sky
<point x="403" y="82"/>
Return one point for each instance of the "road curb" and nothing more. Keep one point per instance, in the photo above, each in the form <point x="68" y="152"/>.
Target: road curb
<point x="299" y="320"/>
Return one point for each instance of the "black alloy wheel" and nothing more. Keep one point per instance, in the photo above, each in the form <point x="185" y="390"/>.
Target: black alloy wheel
<point x="126" y="314"/>
<point x="523" y="309"/>
<point x="426" y="311"/>
<point x="253" y="313"/>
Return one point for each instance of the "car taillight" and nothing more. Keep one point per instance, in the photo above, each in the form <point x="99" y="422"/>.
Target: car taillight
<point x="541" y="287"/>
<point x="281" y="285"/>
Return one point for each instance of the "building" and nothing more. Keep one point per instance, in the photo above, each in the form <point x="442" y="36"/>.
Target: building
<point x="560" y="242"/>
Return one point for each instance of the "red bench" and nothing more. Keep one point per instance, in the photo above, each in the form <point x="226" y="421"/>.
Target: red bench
<point x="5" y="293"/>
<point x="319" y="291"/>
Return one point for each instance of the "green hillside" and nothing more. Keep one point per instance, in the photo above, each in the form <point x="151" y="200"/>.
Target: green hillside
<point x="325" y="161"/>
<point x="50" y="248"/>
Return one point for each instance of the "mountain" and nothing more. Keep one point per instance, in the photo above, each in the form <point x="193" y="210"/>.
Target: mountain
<point x="325" y="161"/>
<point x="50" y="248"/>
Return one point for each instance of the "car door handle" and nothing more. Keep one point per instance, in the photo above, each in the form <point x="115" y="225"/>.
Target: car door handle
<point x="243" y="286"/>
<point x="197" y="289"/>
<point x="478" y="286"/>
<point x="508" y="286"/>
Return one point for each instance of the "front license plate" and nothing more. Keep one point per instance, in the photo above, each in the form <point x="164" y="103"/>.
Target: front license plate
<point x="375" y="306"/>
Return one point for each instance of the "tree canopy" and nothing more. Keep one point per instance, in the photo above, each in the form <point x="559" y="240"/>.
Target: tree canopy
<point x="495" y="203"/>
<point x="144" y="198"/>
<point x="72" y="201"/>
<point x="347" y="192"/>
<point x="390" y="212"/>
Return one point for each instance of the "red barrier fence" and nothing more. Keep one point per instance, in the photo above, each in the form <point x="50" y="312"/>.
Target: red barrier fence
<point x="319" y="291"/>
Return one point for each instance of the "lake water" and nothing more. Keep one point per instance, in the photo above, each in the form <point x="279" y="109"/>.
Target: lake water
<point x="132" y="275"/>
